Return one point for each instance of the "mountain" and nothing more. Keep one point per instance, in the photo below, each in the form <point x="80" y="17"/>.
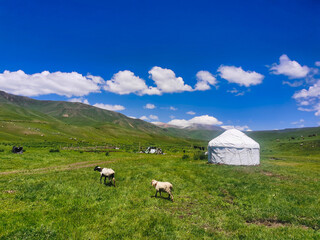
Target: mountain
<point x="191" y="127"/>
<point x="24" y="119"/>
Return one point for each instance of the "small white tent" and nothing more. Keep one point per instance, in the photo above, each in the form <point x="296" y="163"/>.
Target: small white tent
<point x="234" y="148"/>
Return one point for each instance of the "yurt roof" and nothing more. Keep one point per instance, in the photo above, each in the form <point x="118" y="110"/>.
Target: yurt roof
<point x="233" y="138"/>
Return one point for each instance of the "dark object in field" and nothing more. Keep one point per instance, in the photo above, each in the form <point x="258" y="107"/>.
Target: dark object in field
<point x="54" y="150"/>
<point x="106" y="173"/>
<point x="154" y="150"/>
<point x="185" y="156"/>
<point x="163" y="187"/>
<point x="18" y="150"/>
<point x="200" y="148"/>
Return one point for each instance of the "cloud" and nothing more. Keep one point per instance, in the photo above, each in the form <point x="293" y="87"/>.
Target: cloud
<point x="237" y="75"/>
<point x="153" y="117"/>
<point x="180" y="123"/>
<point x="291" y="69"/>
<point x="205" y="79"/>
<point x="309" y="97"/>
<point x="132" y="117"/>
<point x="125" y="82"/>
<point x="149" y="106"/>
<point x="167" y="82"/>
<point x="60" y="83"/>
<point x="293" y="84"/>
<point x="191" y="113"/>
<point x="317" y="63"/>
<point x="236" y="92"/>
<point x="312" y="92"/>
<point x="109" y="107"/>
<point x="298" y="122"/>
<point x="203" y="120"/>
<point x="304" y="103"/>
<point x="241" y="128"/>
<point x="172" y="117"/>
<point x="80" y="100"/>
<point x="144" y="118"/>
<point x="173" y="108"/>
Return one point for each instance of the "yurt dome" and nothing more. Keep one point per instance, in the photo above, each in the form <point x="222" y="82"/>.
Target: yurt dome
<point x="233" y="147"/>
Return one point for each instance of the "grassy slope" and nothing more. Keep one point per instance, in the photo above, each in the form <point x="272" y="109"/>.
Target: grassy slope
<point x="23" y="120"/>
<point x="277" y="200"/>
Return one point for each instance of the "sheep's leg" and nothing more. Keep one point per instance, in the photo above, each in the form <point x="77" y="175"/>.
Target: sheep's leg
<point x="114" y="182"/>
<point x="105" y="180"/>
<point x="170" y="196"/>
<point x="100" y="179"/>
<point x="160" y="193"/>
<point x="156" y="194"/>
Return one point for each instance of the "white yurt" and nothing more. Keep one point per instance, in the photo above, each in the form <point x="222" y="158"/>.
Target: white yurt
<point x="233" y="147"/>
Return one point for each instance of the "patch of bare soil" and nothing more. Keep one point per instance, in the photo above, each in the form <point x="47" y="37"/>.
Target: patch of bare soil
<point x="273" y="223"/>
<point x="68" y="167"/>
<point x="10" y="191"/>
<point x="227" y="197"/>
<point x="270" y="174"/>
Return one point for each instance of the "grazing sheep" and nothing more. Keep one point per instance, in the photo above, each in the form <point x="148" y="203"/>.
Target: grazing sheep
<point x="106" y="173"/>
<point x="163" y="187"/>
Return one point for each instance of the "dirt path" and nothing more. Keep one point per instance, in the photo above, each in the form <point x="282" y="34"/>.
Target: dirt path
<point x="68" y="167"/>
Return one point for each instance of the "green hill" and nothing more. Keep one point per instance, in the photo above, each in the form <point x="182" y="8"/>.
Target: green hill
<point x="24" y="119"/>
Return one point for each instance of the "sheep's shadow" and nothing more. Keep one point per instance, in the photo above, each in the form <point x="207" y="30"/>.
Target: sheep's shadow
<point x="161" y="197"/>
<point x="109" y="184"/>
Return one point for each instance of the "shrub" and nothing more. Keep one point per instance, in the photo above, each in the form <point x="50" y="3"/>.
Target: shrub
<point x="107" y="153"/>
<point x="1" y="150"/>
<point x="199" y="155"/>
<point x="185" y="156"/>
<point x="54" y="150"/>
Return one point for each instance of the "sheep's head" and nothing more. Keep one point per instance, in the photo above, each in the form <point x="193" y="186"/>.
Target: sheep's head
<point x="154" y="183"/>
<point x="97" y="168"/>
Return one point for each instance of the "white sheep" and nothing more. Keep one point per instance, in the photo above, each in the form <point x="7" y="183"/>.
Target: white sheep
<point x="163" y="187"/>
<point x="106" y="173"/>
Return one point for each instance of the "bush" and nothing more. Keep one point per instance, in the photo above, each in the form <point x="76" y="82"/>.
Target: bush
<point x="54" y="150"/>
<point x="107" y="153"/>
<point x="184" y="157"/>
<point x="1" y="150"/>
<point x="199" y="155"/>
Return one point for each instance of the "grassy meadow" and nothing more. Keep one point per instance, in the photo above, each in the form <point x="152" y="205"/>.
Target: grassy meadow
<point x="58" y="196"/>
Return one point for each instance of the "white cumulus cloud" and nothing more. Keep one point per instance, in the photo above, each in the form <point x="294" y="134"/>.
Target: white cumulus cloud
<point x="309" y="97"/>
<point x="144" y="118"/>
<point x="317" y="63"/>
<point x="109" y="107"/>
<point x="237" y="75"/>
<point x="205" y="79"/>
<point x="149" y="106"/>
<point x="60" y="83"/>
<point x="241" y="128"/>
<point x="80" y="100"/>
<point x="289" y="68"/>
<point x="166" y="80"/>
<point x="203" y="120"/>
<point x="125" y="82"/>
<point x="153" y="117"/>
<point x="191" y="113"/>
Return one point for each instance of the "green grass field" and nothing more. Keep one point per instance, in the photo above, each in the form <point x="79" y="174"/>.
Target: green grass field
<point x="58" y="196"/>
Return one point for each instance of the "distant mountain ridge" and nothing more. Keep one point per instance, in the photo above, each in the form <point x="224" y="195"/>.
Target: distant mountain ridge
<point x="24" y="119"/>
<point x="60" y="120"/>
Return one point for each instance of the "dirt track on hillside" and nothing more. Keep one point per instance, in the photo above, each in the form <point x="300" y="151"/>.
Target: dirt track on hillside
<point x="67" y="167"/>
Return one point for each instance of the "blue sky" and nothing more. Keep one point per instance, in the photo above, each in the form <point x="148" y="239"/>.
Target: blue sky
<point x="126" y="54"/>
